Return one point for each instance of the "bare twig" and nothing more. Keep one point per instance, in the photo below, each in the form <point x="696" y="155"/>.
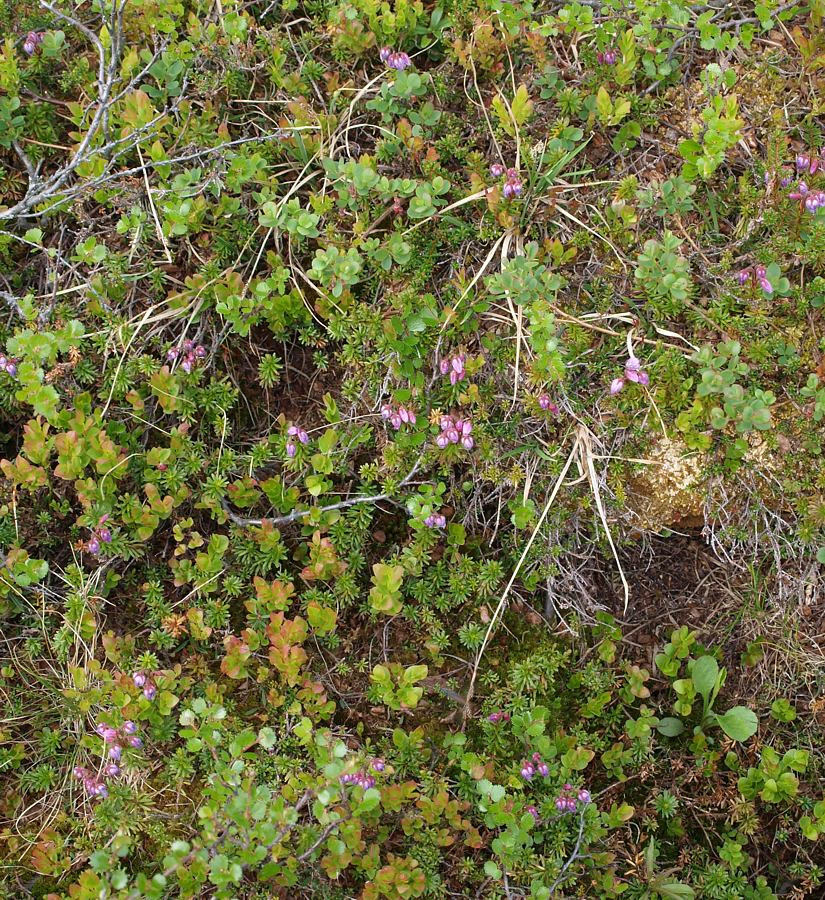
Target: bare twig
<point x="303" y="513"/>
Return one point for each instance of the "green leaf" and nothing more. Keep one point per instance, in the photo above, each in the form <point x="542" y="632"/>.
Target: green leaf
<point x="705" y="673"/>
<point x="621" y="109"/>
<point x="670" y="726"/>
<point x="327" y="440"/>
<point x="783" y="711"/>
<point x="675" y="890"/>
<point x="317" y="484"/>
<point x="370" y="801"/>
<point x="690" y="149"/>
<point x="577" y="759"/>
<point x="522" y="105"/>
<point x="241" y="742"/>
<point x="603" y="104"/>
<point x="385" y="594"/>
<point x="166" y="701"/>
<point x="491" y="870"/>
<point x="321" y="618"/>
<point x="381" y="676"/>
<point x="409" y="696"/>
<point x="738" y="723"/>
<point x="412" y="674"/>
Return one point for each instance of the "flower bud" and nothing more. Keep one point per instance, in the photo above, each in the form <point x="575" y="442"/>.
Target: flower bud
<point x="398" y="60"/>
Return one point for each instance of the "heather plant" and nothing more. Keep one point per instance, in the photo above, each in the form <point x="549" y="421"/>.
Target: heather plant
<point x="411" y="449"/>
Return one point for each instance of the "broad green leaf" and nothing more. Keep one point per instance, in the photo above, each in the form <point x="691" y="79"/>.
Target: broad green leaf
<point x="738" y="723"/>
<point x="675" y="890"/>
<point x="670" y="726"/>
<point x="603" y="104"/>
<point x="704" y="673"/>
<point x="522" y="105"/>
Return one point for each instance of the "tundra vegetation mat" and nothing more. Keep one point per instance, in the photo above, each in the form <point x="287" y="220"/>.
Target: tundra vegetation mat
<point x="411" y="449"/>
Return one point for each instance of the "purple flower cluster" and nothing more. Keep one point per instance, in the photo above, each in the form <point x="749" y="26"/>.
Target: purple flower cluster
<point x="512" y="184"/>
<point x="146" y="684"/>
<point x="512" y="181"/>
<point x="435" y="520"/>
<point x="546" y="403"/>
<point x="100" y="535"/>
<point x="189" y="353"/>
<point x="398" y="416"/>
<point x="533" y="812"/>
<point x="116" y="739"/>
<point x="453" y="366"/>
<point x="33" y="40"/>
<point x="361" y="779"/>
<point x="533" y="766"/>
<point x="634" y="372"/>
<point x="94" y="785"/>
<point x="394" y="60"/>
<point x="455" y="430"/>
<point x="607" y="57"/>
<point x="8" y="365"/>
<point x="569" y="797"/>
<point x="807" y="162"/>
<point x="295" y="433"/>
<point x="378" y="764"/>
<point x="808" y="199"/>
<point x="498" y="716"/>
<point x="758" y="274"/>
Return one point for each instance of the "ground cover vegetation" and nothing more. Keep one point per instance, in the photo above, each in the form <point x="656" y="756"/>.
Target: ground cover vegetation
<point x="411" y="448"/>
